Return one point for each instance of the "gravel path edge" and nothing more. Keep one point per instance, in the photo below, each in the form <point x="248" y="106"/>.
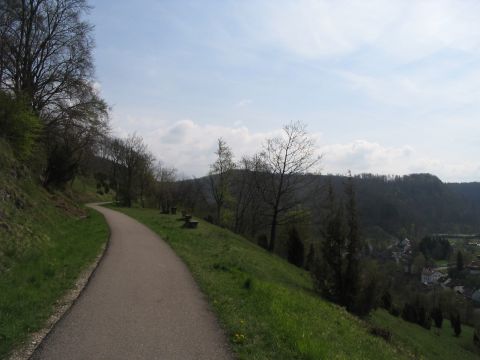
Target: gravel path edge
<point x="61" y="307"/>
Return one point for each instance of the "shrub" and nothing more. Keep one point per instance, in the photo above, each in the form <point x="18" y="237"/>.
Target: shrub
<point x="394" y="311"/>
<point x="262" y="241"/>
<point x="18" y="125"/>
<point x="381" y="332"/>
<point x="386" y="300"/>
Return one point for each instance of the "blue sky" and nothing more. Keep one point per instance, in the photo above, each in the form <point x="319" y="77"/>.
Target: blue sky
<point x="384" y="86"/>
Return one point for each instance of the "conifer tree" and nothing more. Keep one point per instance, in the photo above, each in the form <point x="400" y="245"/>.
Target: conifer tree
<point x="310" y="258"/>
<point x="460" y="265"/>
<point x="329" y="273"/>
<point x="437" y="316"/>
<point x="352" y="274"/>
<point x="295" y="248"/>
<point x="456" y="324"/>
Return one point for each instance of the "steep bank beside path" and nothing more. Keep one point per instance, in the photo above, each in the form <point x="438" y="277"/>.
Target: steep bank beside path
<point x="141" y="303"/>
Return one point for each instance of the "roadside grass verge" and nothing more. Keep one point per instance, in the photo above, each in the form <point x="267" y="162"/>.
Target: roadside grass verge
<point x="42" y="272"/>
<point x="266" y="305"/>
<point x="428" y="344"/>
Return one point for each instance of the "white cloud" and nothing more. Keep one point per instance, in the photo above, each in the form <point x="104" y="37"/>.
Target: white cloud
<point x="363" y="156"/>
<point x="243" y="103"/>
<point x="407" y="29"/>
<point x="189" y="146"/>
<point x="414" y="90"/>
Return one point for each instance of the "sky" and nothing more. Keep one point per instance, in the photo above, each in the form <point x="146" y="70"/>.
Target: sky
<point x="384" y="86"/>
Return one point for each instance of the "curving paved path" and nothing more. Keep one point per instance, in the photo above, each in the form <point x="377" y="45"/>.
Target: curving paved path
<point x="141" y="303"/>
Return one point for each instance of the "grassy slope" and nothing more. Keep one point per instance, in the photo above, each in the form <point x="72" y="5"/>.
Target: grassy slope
<point x="266" y="305"/>
<point x="84" y="190"/>
<point x="431" y="344"/>
<point x="45" y="242"/>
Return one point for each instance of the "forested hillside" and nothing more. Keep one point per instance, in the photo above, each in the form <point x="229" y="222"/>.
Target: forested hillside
<point x="389" y="206"/>
<point x="416" y="205"/>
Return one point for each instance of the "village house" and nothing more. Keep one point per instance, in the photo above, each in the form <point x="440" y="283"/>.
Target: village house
<point x="430" y="276"/>
<point x="474" y="267"/>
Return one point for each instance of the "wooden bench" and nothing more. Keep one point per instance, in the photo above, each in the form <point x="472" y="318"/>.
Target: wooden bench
<point x="192" y="224"/>
<point x="188" y="222"/>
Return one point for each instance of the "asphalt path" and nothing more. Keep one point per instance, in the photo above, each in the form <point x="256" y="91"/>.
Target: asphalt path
<point x="141" y="303"/>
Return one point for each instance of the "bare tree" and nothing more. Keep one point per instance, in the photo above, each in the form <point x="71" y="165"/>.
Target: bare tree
<point x="46" y="50"/>
<point x="280" y="172"/>
<point x="80" y="129"/>
<point x="146" y="175"/>
<point x="165" y="177"/>
<point x="46" y="60"/>
<point x="130" y="160"/>
<point x="220" y="175"/>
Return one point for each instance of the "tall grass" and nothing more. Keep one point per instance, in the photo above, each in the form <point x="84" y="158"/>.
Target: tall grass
<point x="38" y="277"/>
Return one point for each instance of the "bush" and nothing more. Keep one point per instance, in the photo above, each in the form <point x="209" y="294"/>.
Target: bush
<point x="387" y="300"/>
<point x="61" y="166"/>
<point x="394" y="311"/>
<point x="381" y="332"/>
<point x="262" y="241"/>
<point x="18" y="125"/>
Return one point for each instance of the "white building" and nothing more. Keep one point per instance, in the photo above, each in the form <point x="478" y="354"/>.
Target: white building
<point x="430" y="276"/>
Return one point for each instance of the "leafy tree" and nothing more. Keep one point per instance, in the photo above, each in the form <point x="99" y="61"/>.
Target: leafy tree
<point x="46" y="60"/>
<point x="61" y="166"/>
<point x="46" y="51"/>
<point x="437" y="248"/>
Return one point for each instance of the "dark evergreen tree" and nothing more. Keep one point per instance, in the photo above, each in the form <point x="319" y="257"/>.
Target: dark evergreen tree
<point x="476" y="337"/>
<point x="365" y="301"/>
<point x="409" y="313"/>
<point x="421" y="316"/>
<point x="310" y="258"/>
<point x="460" y="265"/>
<point x="386" y="300"/>
<point x="262" y="241"/>
<point x="328" y="272"/>
<point x="456" y="323"/>
<point x="437" y="316"/>
<point x="352" y="274"/>
<point x="424" y="319"/>
<point x="295" y="248"/>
